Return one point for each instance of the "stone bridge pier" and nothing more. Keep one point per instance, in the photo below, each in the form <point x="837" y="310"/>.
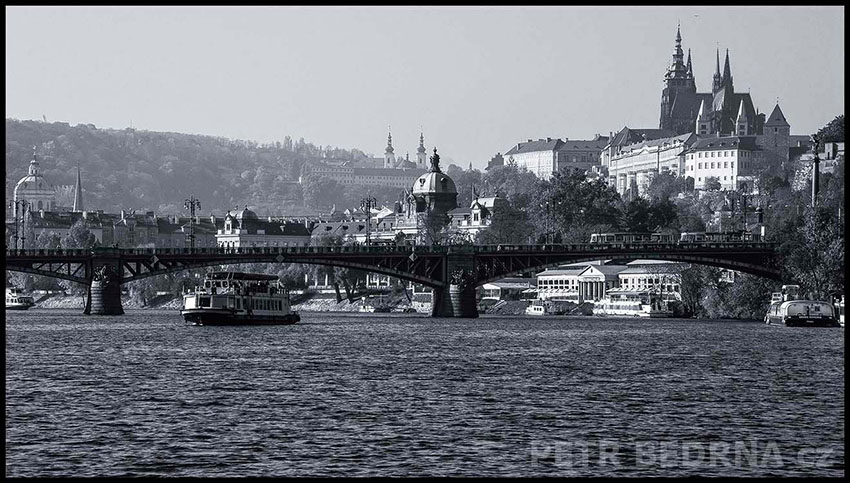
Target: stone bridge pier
<point x="104" y="292"/>
<point x="457" y="298"/>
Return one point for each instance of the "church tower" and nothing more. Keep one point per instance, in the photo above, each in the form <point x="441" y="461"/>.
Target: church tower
<point x="679" y="91"/>
<point x="389" y="157"/>
<point x="421" y="157"/>
<point x="78" y="193"/>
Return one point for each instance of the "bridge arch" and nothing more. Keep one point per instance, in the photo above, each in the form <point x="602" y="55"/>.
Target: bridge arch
<point x="265" y="260"/>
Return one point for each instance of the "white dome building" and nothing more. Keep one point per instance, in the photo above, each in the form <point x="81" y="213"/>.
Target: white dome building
<point x="33" y="188"/>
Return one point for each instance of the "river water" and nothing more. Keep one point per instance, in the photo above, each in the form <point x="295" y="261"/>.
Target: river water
<point x="407" y="395"/>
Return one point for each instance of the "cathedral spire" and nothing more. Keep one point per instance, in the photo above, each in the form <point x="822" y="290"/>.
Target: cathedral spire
<point x="727" y="71"/>
<point x="716" y="84"/>
<point x="690" y="67"/>
<point x="78" y="193"/>
<point x="389" y="142"/>
<point x="677" y="51"/>
<point x="421" y="148"/>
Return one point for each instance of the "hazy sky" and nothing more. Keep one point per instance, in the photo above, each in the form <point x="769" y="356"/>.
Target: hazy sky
<point x="477" y="79"/>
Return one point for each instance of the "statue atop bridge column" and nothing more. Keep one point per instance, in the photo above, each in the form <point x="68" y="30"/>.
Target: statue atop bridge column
<point x="104" y="296"/>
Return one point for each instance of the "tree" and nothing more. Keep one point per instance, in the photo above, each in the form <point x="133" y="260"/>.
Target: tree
<point x="509" y="226"/>
<point x="578" y="200"/>
<point x="664" y="185"/>
<point x="48" y="240"/>
<point x="816" y="258"/>
<point x="79" y="237"/>
<point x="712" y="183"/>
<point x="833" y="132"/>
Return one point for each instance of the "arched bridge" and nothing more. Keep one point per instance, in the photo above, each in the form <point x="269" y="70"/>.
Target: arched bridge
<point x="452" y="272"/>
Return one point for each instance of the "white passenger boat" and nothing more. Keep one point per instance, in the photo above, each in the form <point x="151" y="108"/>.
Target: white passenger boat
<point x="16" y="300"/>
<point x="236" y="298"/>
<point x="629" y="303"/>
<point x="536" y="308"/>
<point x="787" y="309"/>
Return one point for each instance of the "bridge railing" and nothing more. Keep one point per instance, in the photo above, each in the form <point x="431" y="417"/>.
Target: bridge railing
<point x="420" y="249"/>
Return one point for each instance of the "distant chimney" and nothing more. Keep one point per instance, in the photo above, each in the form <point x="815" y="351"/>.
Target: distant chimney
<point x="548" y="140"/>
<point x="531" y="140"/>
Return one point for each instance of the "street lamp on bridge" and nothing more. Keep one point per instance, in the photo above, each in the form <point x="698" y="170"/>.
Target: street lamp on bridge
<point x="19" y="206"/>
<point x="190" y="204"/>
<point x="366" y="204"/>
<point x="548" y="206"/>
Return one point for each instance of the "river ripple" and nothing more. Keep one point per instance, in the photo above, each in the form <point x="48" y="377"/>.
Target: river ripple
<point x="398" y="395"/>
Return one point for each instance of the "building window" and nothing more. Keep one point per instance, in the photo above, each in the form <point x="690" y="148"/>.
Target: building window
<point x="712" y="165"/>
<point x="732" y="165"/>
<point x="725" y="164"/>
<point x="699" y="165"/>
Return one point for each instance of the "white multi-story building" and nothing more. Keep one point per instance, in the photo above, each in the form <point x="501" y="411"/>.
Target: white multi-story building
<point x="730" y="159"/>
<point x="546" y="156"/>
<point x="632" y="166"/>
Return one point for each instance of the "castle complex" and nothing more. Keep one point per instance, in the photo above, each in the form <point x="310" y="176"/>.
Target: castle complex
<point x="689" y="120"/>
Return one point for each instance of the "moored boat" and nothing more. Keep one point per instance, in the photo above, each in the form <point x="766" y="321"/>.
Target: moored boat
<point x="787" y="309"/>
<point x="630" y="303"/>
<point x="17" y="300"/>
<point x="370" y="305"/>
<point x="237" y="298"/>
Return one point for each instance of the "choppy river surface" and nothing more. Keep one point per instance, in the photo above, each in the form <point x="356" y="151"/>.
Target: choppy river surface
<point x="403" y="394"/>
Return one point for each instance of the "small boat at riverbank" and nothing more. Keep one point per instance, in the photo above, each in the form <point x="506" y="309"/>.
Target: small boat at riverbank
<point x="369" y="305"/>
<point x="629" y="303"/>
<point x="786" y="309"/>
<point x="550" y="307"/>
<point x="17" y="300"/>
<point x="237" y="298"/>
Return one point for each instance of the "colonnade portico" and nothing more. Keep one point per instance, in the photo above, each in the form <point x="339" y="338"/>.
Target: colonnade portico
<point x="593" y="290"/>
